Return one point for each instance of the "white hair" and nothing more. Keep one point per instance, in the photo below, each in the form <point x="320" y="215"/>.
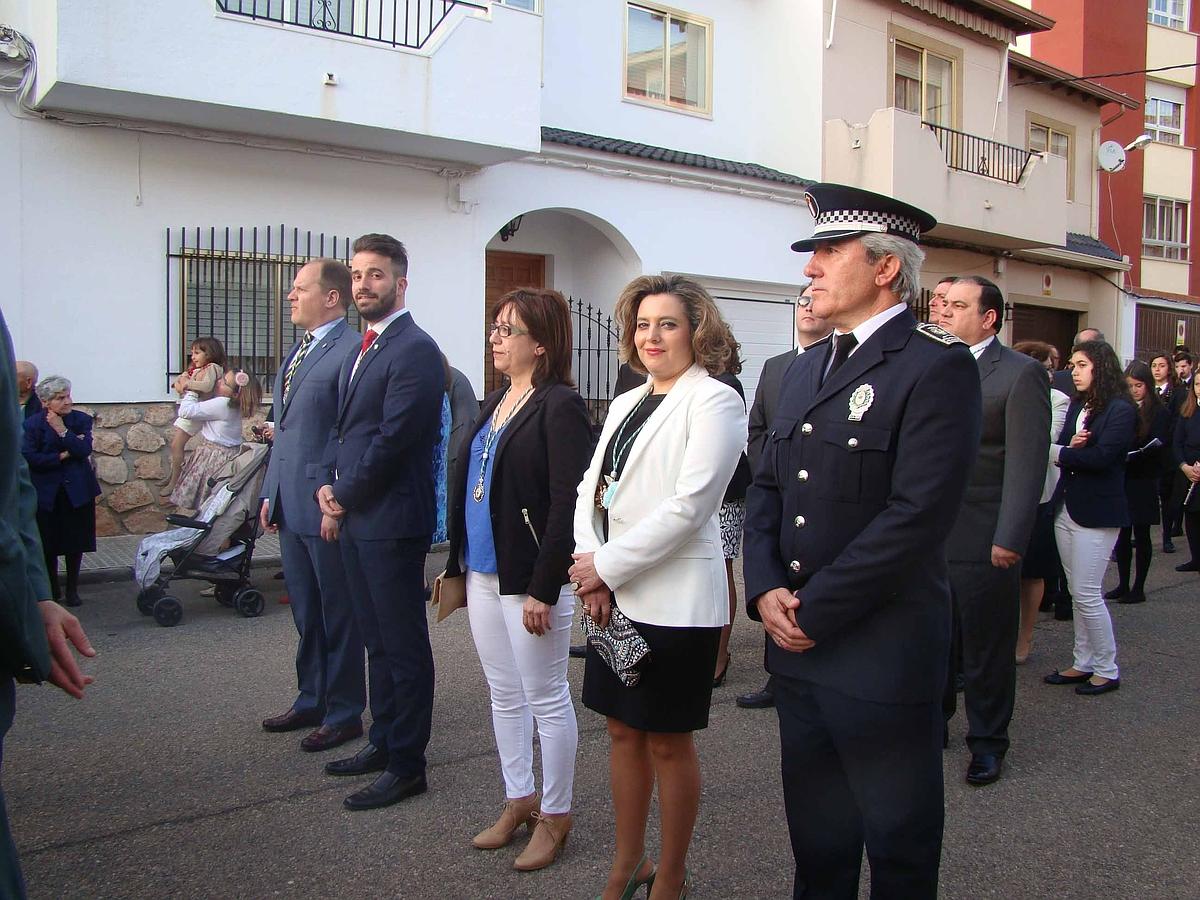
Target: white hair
<point x="51" y="386"/>
<point x="907" y="283"/>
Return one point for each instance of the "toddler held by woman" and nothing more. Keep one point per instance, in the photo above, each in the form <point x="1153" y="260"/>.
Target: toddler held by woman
<point x="200" y="380"/>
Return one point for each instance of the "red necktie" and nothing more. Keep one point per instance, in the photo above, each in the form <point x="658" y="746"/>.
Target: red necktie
<point x="368" y="340"/>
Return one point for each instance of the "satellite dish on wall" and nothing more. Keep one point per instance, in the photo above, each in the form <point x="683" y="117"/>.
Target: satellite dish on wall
<point x="1111" y="156"/>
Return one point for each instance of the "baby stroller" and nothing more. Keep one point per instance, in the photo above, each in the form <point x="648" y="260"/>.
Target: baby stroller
<point x="216" y="546"/>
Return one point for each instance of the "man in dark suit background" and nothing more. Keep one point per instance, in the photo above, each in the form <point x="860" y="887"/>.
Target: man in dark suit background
<point x="809" y="329"/>
<point x="993" y="525"/>
<point x="863" y="470"/>
<point x="379" y="489"/>
<point x="27" y="376"/>
<point x="36" y="634"/>
<point x="329" y="657"/>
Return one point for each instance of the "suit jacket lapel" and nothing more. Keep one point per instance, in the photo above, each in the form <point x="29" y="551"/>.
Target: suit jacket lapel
<point x="989" y="359"/>
<point x="353" y="378"/>
<point x="322" y="347"/>
<point x="524" y="414"/>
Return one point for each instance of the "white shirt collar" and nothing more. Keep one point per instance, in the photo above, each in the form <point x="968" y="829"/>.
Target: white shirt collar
<point x="321" y="330"/>
<point x="873" y="324"/>
<point x="977" y="349"/>
<point x="380" y="326"/>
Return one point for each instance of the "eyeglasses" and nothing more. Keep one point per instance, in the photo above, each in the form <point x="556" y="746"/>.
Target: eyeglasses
<point x="804" y="302"/>
<point x="505" y="330"/>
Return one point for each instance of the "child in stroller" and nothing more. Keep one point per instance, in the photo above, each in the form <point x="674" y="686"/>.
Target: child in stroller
<point x="216" y="546"/>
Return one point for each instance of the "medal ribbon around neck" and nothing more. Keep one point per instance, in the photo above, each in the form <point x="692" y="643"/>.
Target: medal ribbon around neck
<point x="620" y="451"/>
<point x="489" y="439"/>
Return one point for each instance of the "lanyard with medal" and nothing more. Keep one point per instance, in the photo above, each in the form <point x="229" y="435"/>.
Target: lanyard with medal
<point x="607" y="489"/>
<point x="489" y="439"/>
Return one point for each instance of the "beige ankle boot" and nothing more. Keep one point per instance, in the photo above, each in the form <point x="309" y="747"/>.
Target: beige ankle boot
<point x="515" y="814"/>
<point x="549" y="838"/>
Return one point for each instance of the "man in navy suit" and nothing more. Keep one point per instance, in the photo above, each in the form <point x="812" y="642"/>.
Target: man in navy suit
<point x="864" y="468"/>
<point x="329" y="657"/>
<point x="379" y="490"/>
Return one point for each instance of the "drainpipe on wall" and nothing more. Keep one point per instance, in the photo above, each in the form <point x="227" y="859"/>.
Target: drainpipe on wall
<point x="832" y="22"/>
<point x="1000" y="88"/>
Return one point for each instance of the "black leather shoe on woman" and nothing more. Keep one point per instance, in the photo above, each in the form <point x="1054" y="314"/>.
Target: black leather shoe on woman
<point x="1090" y="689"/>
<point x="1057" y="677"/>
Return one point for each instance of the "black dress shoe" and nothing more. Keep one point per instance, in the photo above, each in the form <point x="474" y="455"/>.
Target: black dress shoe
<point x="293" y="721"/>
<point x="1189" y="566"/>
<point x="329" y="736"/>
<point x="73" y="599"/>
<point x="984" y="768"/>
<point x="1087" y="689"/>
<point x="577" y="651"/>
<point x="1116" y="593"/>
<point x="368" y="759"/>
<point x="1057" y="677"/>
<point x="1135" y="596"/>
<point x="1168" y="546"/>
<point x="763" y="699"/>
<point x="386" y="790"/>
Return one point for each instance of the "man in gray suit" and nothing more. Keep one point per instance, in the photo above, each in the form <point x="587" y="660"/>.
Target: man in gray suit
<point x="809" y="330"/>
<point x="993" y="526"/>
<point x="329" y="658"/>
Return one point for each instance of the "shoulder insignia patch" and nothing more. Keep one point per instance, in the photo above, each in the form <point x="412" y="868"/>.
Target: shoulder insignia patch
<point x="939" y="334"/>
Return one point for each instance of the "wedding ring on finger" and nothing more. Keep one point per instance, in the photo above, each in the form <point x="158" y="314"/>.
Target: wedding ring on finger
<point x="575" y="587"/>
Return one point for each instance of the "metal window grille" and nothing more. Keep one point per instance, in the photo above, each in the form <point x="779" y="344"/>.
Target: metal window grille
<point x="232" y="284"/>
<point x="397" y="23"/>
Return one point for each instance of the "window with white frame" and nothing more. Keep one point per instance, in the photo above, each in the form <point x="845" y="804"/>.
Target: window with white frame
<point x="1164" y="112"/>
<point x="923" y="81"/>
<point x="531" y="5"/>
<point x="1055" y="139"/>
<point x="1168" y="13"/>
<point x="1164" y="228"/>
<point x="668" y="58"/>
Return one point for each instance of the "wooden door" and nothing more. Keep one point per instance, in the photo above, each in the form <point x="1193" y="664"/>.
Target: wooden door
<point x="505" y="272"/>
<point x="1041" y="323"/>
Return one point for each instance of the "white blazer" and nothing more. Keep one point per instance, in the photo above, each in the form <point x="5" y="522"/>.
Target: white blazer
<point x="663" y="559"/>
<point x="1058" y="417"/>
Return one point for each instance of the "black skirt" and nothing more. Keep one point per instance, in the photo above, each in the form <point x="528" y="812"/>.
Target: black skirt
<point x="1041" y="557"/>
<point x="675" y="690"/>
<point x="67" y="529"/>
<point x="1142" y="496"/>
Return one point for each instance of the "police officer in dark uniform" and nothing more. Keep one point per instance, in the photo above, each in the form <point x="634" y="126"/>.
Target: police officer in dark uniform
<point x="863" y="473"/>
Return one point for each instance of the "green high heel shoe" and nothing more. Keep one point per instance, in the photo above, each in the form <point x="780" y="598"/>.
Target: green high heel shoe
<point x="632" y="885"/>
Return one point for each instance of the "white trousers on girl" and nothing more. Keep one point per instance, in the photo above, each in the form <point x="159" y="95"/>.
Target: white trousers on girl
<point x="527" y="676"/>
<point x="1084" y="553"/>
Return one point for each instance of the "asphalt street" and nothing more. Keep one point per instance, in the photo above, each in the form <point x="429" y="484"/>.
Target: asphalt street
<point x="161" y="782"/>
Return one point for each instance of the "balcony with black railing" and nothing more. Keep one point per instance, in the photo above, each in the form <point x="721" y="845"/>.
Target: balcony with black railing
<point x="448" y="81"/>
<point x="981" y="156"/>
<point x="982" y="192"/>
<point x="396" y="23"/>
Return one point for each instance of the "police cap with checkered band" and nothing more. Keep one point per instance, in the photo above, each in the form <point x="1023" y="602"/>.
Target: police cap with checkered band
<point x="841" y="211"/>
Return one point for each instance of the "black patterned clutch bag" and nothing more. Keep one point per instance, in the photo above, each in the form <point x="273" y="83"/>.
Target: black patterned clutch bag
<point x="619" y="645"/>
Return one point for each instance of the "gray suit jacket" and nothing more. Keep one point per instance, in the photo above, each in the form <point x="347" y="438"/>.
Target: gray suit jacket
<point x="1006" y="480"/>
<point x="766" y="399"/>
<point x="302" y="427"/>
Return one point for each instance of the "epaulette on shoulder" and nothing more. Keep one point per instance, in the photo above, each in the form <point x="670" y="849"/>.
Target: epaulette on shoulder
<point x="939" y="334"/>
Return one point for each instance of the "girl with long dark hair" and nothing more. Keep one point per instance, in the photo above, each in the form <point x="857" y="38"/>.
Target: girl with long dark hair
<point x="1091" y="508"/>
<point x="1142" y="471"/>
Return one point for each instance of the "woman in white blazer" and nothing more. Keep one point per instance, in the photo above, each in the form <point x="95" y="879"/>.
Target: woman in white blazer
<point x="647" y="537"/>
<point x="1040" y="561"/>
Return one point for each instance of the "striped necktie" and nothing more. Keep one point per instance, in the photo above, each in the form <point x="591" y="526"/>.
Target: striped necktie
<point x="302" y="352"/>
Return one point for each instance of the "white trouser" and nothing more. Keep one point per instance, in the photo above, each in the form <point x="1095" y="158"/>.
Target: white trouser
<point x="1085" y="553"/>
<point x="527" y="676"/>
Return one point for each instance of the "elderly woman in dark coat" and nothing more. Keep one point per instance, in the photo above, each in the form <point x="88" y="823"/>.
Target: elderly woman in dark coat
<point x="57" y="445"/>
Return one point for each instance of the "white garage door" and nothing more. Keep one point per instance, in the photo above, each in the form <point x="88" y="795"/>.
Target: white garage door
<point x="764" y="328"/>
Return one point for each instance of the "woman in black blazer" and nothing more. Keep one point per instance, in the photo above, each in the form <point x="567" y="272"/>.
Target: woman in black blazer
<point x="1143" y="469"/>
<point x="57" y="444"/>
<point x="1091" y="507"/>
<point x="1171" y="485"/>
<point x="1186" y="452"/>
<point x="511" y="511"/>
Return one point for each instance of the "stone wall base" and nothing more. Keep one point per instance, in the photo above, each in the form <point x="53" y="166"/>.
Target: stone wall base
<point x="130" y="449"/>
